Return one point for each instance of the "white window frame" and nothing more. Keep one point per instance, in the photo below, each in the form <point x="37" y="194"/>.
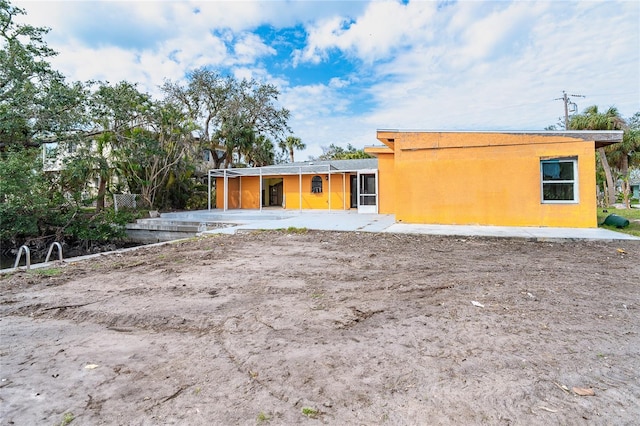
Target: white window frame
<point x="315" y="188"/>
<point x="574" y="181"/>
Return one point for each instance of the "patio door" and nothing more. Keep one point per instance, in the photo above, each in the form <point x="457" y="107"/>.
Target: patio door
<point x="353" y="191"/>
<point x="368" y="191"/>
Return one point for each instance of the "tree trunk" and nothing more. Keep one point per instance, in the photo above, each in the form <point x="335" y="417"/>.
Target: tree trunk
<point x="102" y="190"/>
<point x="217" y="160"/>
<point x="611" y="189"/>
<point x="605" y="194"/>
<point x="625" y="181"/>
<point x="291" y="154"/>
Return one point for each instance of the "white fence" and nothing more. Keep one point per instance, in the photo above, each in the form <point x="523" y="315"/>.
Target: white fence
<point x="125" y="201"/>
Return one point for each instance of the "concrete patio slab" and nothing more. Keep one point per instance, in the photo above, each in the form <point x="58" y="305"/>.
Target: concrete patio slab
<point x="350" y="221"/>
<point x="243" y="220"/>
<point x="513" y="232"/>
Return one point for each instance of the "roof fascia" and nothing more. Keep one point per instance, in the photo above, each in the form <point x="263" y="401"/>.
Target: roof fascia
<point x="311" y="169"/>
<point x="387" y="137"/>
<point x="600" y="137"/>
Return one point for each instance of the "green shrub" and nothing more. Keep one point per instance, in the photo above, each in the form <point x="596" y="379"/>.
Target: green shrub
<point x="27" y="202"/>
<point x="105" y="225"/>
<point x="198" y="200"/>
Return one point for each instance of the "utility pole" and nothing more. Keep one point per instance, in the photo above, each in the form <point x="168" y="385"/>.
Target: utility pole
<point x="567" y="102"/>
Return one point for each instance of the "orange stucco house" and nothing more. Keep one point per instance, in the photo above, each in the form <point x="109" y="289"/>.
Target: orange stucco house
<point x="504" y="178"/>
<point x="490" y="178"/>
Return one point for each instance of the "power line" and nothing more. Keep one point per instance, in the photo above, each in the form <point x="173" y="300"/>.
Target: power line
<point x="567" y="104"/>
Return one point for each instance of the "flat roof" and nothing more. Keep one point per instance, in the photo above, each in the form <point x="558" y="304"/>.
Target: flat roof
<point x="600" y="137"/>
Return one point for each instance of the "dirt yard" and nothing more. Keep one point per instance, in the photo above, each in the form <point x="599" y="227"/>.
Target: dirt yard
<point x="327" y="328"/>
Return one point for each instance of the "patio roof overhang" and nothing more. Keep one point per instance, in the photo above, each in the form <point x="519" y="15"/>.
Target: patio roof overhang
<point x="300" y="168"/>
<point x="275" y="171"/>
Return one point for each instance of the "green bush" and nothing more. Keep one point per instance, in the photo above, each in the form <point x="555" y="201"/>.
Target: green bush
<point x="27" y="203"/>
<point x="198" y="199"/>
<point x="103" y="226"/>
<point x="33" y="206"/>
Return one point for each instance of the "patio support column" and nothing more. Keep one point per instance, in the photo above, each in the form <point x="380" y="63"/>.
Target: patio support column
<point x="329" y="186"/>
<point x="209" y="190"/>
<point x="226" y="190"/>
<point x="261" y="189"/>
<point x="377" y="193"/>
<point x="344" y="192"/>
<point x="300" y="185"/>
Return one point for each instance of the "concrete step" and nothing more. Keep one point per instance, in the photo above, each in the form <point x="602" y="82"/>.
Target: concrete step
<point x="155" y="230"/>
<point x="169" y="225"/>
<point x="230" y="216"/>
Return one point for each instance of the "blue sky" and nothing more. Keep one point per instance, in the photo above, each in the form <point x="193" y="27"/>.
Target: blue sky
<point x="347" y="68"/>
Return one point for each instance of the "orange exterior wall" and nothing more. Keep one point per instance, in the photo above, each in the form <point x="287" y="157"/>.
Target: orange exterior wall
<point x="482" y="178"/>
<point x="312" y="201"/>
<point x="244" y="192"/>
<point x="250" y="192"/>
<point x="386" y="183"/>
<point x="234" y="193"/>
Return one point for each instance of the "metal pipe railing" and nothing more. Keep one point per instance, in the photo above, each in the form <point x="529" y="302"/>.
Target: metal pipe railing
<point x="24" y="249"/>
<point x="54" y="244"/>
<point x="27" y="254"/>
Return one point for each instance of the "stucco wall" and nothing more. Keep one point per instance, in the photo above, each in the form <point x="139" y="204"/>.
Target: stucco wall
<point x="339" y="200"/>
<point x="244" y="192"/>
<point x="485" y="179"/>
<point x="250" y="192"/>
<point x="234" y="193"/>
<point x="386" y="184"/>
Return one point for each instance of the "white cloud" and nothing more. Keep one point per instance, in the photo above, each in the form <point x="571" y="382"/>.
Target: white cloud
<point x="425" y="64"/>
<point x="320" y="116"/>
<point x="313" y="102"/>
<point x="338" y="83"/>
<point x="496" y="33"/>
<point x="250" y="48"/>
<point x="189" y="55"/>
<point x="480" y="83"/>
<point x="383" y="28"/>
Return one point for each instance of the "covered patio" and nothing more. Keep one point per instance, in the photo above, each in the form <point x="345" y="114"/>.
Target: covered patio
<point x="314" y="185"/>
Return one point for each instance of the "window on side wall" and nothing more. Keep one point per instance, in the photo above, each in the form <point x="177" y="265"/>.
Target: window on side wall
<point x="559" y="180"/>
<point x="316" y="184"/>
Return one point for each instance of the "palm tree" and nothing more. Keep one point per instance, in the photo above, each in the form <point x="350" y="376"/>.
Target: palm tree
<point x="291" y="143"/>
<point x="626" y="154"/>
<point x="592" y="119"/>
<point x="260" y="153"/>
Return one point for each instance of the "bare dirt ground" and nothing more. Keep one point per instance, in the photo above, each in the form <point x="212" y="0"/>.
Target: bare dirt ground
<point x="327" y="328"/>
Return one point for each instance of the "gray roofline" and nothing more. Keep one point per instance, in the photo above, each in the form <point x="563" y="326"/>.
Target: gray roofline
<point x="289" y="169"/>
<point x="534" y="132"/>
<point x="601" y="136"/>
<point x="321" y="162"/>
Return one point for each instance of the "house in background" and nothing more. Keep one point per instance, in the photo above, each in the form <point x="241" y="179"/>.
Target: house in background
<point x="55" y="154"/>
<point x="324" y="185"/>
<point x="635" y="188"/>
<point x="490" y="178"/>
